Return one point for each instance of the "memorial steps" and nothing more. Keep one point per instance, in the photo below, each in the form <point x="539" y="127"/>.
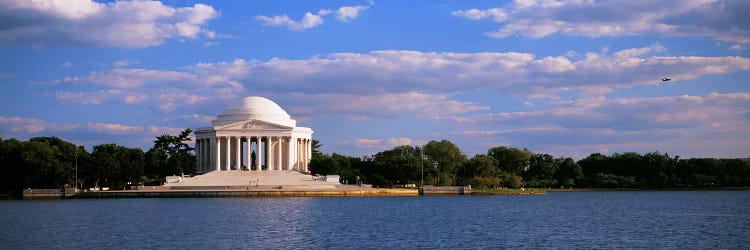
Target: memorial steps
<point x="252" y="179"/>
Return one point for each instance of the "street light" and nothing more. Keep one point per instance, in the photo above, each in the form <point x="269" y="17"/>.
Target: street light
<point x="76" y="168"/>
<point x="424" y="158"/>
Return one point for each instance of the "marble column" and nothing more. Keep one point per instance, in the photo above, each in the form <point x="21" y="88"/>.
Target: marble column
<point x="307" y="155"/>
<point x="257" y="155"/>
<point x="237" y="152"/>
<point x="278" y="153"/>
<point x="228" y="154"/>
<point x="270" y="161"/>
<point x="218" y="153"/>
<point x="299" y="154"/>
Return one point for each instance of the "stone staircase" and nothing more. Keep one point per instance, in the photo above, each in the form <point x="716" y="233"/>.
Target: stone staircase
<point x="252" y="179"/>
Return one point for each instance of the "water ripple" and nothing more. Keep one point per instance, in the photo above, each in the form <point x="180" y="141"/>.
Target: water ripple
<point x="692" y="220"/>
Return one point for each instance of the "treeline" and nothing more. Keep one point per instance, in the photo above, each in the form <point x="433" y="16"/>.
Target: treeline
<point x="50" y="162"/>
<point x="442" y="163"/>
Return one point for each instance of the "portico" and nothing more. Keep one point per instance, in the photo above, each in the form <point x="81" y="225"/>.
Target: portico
<point x="254" y="134"/>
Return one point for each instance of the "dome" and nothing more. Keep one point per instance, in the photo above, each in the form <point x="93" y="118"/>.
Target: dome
<point x="254" y="107"/>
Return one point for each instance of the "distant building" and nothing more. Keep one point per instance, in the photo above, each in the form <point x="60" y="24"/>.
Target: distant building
<point x="253" y="134"/>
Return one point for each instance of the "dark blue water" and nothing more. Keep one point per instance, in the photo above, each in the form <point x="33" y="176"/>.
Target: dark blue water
<point x="651" y="219"/>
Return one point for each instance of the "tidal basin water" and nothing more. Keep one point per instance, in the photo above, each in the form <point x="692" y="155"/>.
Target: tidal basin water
<point x="633" y="219"/>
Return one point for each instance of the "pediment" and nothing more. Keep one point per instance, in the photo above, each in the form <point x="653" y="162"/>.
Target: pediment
<point x="253" y="125"/>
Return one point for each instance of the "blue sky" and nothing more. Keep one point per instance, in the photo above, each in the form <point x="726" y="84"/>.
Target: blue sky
<point x="567" y="78"/>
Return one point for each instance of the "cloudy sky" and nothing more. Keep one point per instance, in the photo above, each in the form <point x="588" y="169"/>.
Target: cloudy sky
<point x="568" y="78"/>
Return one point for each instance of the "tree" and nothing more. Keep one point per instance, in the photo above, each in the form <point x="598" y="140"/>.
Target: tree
<point x="171" y="155"/>
<point x="448" y="157"/>
<point x="116" y="166"/>
<point x="315" y="148"/>
<point x="511" y="160"/>
<point x="400" y="165"/>
<point x="14" y="174"/>
<point x="541" y="171"/>
<point x="568" y="171"/>
<point x="480" y="165"/>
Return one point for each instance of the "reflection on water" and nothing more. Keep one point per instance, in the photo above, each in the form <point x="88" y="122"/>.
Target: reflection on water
<point x="697" y="219"/>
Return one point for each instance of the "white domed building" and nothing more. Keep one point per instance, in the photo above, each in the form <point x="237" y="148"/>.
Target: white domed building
<point x="254" y="134"/>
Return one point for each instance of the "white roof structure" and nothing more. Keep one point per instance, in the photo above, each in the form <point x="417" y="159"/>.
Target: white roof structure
<point x="254" y="108"/>
<point x="253" y="134"/>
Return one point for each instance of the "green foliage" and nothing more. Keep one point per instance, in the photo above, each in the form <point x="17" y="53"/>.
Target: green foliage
<point x="115" y="166"/>
<point x="568" y="172"/>
<point x="479" y="165"/>
<point x="400" y="165"/>
<point x="171" y="155"/>
<point x="514" y="168"/>
<point x="448" y="158"/>
<point x="484" y="182"/>
<point x="511" y="160"/>
<point x="347" y="167"/>
<point x="315" y="148"/>
<point x="513" y="181"/>
<point x="49" y="162"/>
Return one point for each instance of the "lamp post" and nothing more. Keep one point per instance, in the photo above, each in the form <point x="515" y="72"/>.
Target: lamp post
<point x="424" y="158"/>
<point x="76" y="168"/>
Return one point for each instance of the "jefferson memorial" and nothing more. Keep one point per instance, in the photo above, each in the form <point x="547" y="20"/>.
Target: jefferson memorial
<point x="253" y="134"/>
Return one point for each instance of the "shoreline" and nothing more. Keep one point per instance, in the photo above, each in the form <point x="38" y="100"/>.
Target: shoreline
<point x="341" y="192"/>
<point x="204" y="193"/>
<point x="646" y="189"/>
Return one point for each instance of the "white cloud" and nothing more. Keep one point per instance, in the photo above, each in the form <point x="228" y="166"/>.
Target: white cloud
<point x="159" y="130"/>
<point x="113" y="128"/>
<point x="124" y="63"/>
<point x="383" y="83"/>
<point x="431" y="106"/>
<point x="37" y="126"/>
<point x="720" y="20"/>
<point x="513" y="73"/>
<point x="622" y="124"/>
<point x="737" y="47"/>
<point x="387" y="143"/>
<point x="310" y="20"/>
<point x="66" y="65"/>
<point x="76" y="9"/>
<point x="89" y="23"/>
<point x="170" y="100"/>
<point x="497" y="14"/>
<point x="359" y="118"/>
<point x="95" y="97"/>
<point x="16" y="124"/>
<point x="211" y="43"/>
<point x="84" y="133"/>
<point x="348" y="13"/>
<point x="135" y="98"/>
<point x="367" y="143"/>
<point x="393" y="142"/>
<point x="130" y="78"/>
